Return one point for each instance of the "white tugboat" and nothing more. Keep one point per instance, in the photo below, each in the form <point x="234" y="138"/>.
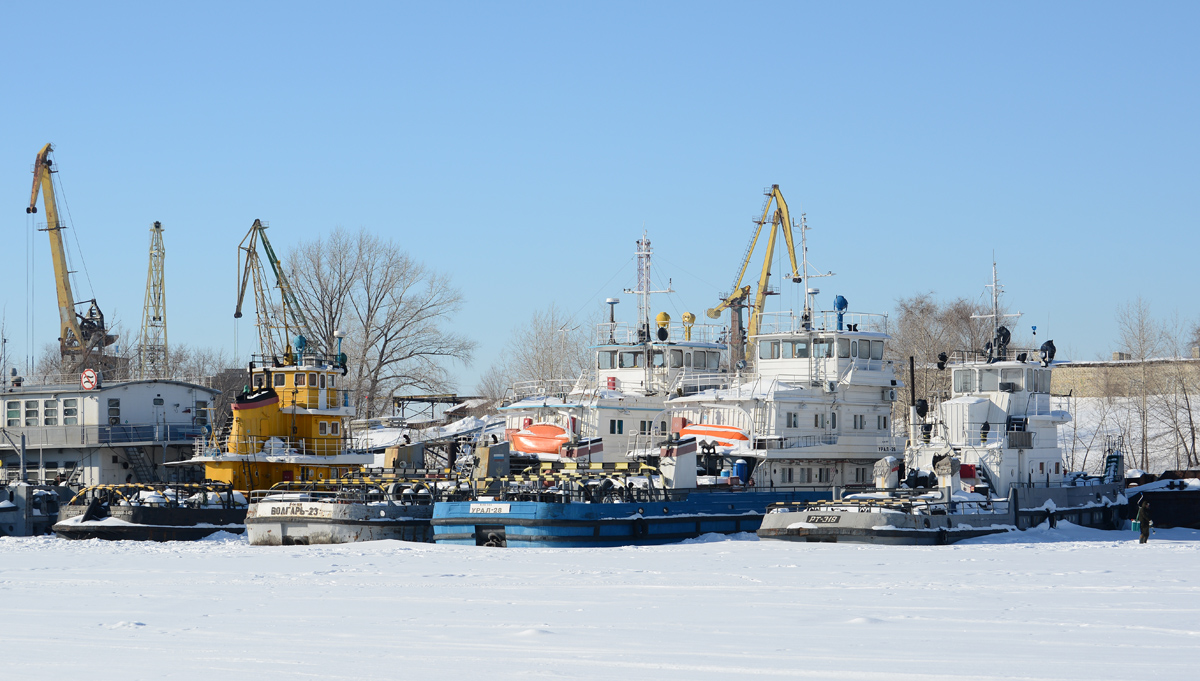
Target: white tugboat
<point x="986" y="460"/>
<point x="813" y="411"/>
<point x="599" y="416"/>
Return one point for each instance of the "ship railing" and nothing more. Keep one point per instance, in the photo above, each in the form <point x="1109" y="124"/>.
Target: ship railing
<point x="75" y="379"/>
<point x="621" y="333"/>
<point x="690" y="383"/>
<point x="77" y="436"/>
<point x="554" y="387"/>
<point x="788" y="321"/>
<point x="794" y="441"/>
<point x="285" y="446"/>
<point x="981" y="356"/>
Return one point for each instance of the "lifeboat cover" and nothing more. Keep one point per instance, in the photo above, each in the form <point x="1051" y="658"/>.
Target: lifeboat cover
<point x="540" y="438"/>
<point x="726" y="436"/>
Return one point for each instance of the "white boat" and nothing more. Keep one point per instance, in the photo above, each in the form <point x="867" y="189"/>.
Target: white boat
<point x="985" y="460"/>
<point x="599" y="416"/>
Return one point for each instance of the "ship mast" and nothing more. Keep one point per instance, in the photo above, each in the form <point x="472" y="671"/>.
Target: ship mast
<point x="810" y="293"/>
<point x="995" y="316"/>
<point x="643" y="292"/>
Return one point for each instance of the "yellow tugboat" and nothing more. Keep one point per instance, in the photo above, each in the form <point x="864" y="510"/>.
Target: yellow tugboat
<point x="289" y="422"/>
<point x="288" y="426"/>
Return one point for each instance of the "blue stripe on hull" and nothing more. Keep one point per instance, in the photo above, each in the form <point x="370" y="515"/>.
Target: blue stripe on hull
<point x="532" y="523"/>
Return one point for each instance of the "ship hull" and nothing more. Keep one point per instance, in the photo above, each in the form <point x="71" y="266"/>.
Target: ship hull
<point x="303" y="523"/>
<point x="578" y="524"/>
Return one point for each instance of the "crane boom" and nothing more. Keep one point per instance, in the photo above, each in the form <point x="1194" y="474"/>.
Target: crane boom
<point x="80" y="336"/>
<point x="291" y="314"/>
<point x="781" y="219"/>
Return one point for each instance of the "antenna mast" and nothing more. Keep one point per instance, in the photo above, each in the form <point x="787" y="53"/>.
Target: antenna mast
<point x="152" y="345"/>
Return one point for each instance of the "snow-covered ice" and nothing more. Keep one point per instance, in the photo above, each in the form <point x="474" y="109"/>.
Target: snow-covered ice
<point x="1065" y="603"/>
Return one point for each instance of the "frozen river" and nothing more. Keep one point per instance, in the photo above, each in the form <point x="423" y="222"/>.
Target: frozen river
<point x="1046" y="604"/>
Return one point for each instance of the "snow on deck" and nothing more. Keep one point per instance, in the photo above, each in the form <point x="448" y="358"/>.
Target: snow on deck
<point x="1069" y="603"/>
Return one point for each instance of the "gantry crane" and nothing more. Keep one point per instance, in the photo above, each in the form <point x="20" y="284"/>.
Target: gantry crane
<point x="291" y="317"/>
<point x="737" y="298"/>
<point x="152" y="345"/>
<point x="82" y="337"/>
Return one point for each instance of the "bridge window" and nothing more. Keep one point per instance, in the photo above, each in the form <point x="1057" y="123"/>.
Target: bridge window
<point x="332" y="381"/>
<point x="258" y="380"/>
<point x="312" y="380"/>
<point x="335" y="428"/>
<point x="1013" y="376"/>
<point x="876" y="349"/>
<point x="657" y="360"/>
<point x="31" y="412"/>
<point x="676" y="359"/>
<point x="14" y="413"/>
<point x="714" y="360"/>
<point x="989" y="379"/>
<point x="299" y="380"/>
<point x="843" y="348"/>
<point x="768" y="350"/>
<point x="630" y="360"/>
<point x="280" y="380"/>
<point x="822" y="348"/>
<point x="322" y="381"/>
<point x="322" y="428"/>
<point x="201" y="417"/>
<point x="606" y="359"/>
<point x="616" y="427"/>
<point x="964" y="380"/>
<point x="50" y="412"/>
<point x="71" y="411"/>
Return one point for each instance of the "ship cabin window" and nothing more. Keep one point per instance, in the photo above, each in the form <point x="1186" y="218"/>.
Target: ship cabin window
<point x="714" y="360"/>
<point x="795" y="349"/>
<point x="114" y="411"/>
<point x="843" y="348"/>
<point x="312" y="380"/>
<point x="280" y="380"/>
<point x="201" y="417"/>
<point x="14" y="413"/>
<point x="860" y="422"/>
<point x="964" y="380"/>
<point x="833" y="420"/>
<point x="71" y="411"/>
<point x="676" y="359"/>
<point x="322" y="381"/>
<point x="818" y="420"/>
<point x="824" y="474"/>
<point x="657" y="360"/>
<point x="322" y="428"/>
<point x="630" y="360"/>
<point x="335" y="428"/>
<point x="31" y="412"/>
<point x="332" y="381"/>
<point x="158" y="402"/>
<point x="50" y="412"/>
<point x="1013" y="377"/>
<point x="786" y="474"/>
<point x="989" y="379"/>
<point x="881" y="422"/>
<point x="768" y="350"/>
<point x="258" y="380"/>
<point x="299" y="380"/>
<point x="877" y="349"/>
<point x="644" y="427"/>
<point x="606" y="359"/>
<point x="793" y="419"/>
<point x="616" y="427"/>
<point x="822" y="348"/>
<point x="687" y="360"/>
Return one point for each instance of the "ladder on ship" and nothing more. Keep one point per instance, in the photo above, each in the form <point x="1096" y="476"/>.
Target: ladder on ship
<point x="142" y="469"/>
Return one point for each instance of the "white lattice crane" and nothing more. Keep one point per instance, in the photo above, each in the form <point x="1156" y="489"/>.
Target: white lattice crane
<point x="152" y="344"/>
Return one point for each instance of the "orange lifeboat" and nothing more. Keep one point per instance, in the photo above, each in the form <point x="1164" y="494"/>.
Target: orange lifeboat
<point x="726" y="436"/>
<point x="540" y="438"/>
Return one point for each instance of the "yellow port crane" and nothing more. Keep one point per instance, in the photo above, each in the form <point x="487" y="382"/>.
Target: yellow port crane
<point x="82" y="337"/>
<point x="779" y="218"/>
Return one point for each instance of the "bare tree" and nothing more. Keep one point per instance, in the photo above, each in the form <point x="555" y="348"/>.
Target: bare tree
<point x="1142" y="338"/>
<point x="1174" y="402"/>
<point x="549" y="346"/>
<point x="925" y="328"/>
<point x="392" y="308"/>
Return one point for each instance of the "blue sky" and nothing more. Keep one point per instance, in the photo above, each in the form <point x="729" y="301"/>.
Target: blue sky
<point x="521" y="147"/>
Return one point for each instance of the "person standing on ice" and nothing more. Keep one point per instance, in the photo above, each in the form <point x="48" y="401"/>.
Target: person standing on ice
<point x="1143" y="518"/>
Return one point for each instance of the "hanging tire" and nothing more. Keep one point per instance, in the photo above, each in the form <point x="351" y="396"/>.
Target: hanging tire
<point x="640" y="528"/>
